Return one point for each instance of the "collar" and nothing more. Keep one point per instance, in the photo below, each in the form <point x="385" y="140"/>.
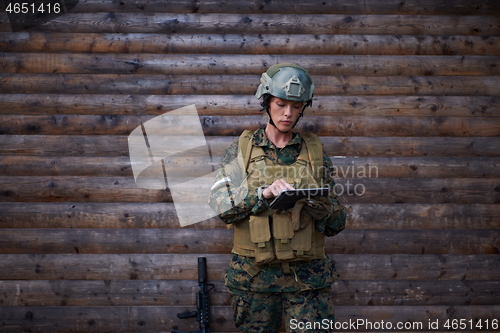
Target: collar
<point x="260" y="139"/>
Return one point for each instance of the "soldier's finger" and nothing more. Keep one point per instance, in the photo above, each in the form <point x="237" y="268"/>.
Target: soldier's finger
<point x="282" y="186"/>
<point x="285" y="184"/>
<point x="277" y="182"/>
<point x="276" y="191"/>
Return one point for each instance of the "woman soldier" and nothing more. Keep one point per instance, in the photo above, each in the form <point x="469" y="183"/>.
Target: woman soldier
<point x="279" y="262"/>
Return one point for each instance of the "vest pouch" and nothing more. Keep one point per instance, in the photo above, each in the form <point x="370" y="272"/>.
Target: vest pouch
<point x="260" y="234"/>
<point x="318" y="245"/>
<point x="273" y="241"/>
<point x="282" y="233"/>
<point x="304" y="241"/>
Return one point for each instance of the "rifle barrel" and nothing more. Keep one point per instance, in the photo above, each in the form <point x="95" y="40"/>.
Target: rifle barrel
<point x="202" y="270"/>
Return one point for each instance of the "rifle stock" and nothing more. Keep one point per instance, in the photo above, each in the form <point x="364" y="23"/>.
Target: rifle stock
<point x="202" y="301"/>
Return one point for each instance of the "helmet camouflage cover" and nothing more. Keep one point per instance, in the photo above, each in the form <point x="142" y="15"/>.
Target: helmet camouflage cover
<point x="287" y="81"/>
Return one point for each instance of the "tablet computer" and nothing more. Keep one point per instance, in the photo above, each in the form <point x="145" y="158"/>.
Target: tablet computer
<point x="287" y="198"/>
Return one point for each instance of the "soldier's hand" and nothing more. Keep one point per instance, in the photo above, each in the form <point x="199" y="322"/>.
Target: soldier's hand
<point x="275" y="188"/>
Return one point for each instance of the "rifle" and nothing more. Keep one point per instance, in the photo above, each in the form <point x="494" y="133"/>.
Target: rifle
<point x="202" y="301"/>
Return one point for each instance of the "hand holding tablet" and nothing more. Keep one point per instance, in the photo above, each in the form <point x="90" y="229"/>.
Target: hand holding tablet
<point x="287" y="198"/>
<point x="275" y="188"/>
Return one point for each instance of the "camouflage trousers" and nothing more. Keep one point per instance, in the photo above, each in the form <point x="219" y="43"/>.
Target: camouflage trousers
<point x="305" y="311"/>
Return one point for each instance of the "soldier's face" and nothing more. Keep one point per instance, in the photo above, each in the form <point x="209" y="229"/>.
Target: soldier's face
<point x="284" y="113"/>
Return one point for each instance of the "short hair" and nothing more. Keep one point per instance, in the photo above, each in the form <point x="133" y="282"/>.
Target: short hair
<point x="266" y="101"/>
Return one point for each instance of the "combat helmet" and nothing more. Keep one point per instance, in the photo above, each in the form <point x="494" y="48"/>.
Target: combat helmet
<point x="286" y="81"/>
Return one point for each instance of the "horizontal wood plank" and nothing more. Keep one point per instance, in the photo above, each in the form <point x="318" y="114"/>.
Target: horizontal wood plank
<point x="185" y="266"/>
<point x="77" y="189"/>
<point x="415" y="293"/>
<point x="370" y="126"/>
<point x="231" y="43"/>
<point x="133" y="215"/>
<point x="183" y="293"/>
<point x="163" y="215"/>
<point x="130" y="241"/>
<point x="94" y="215"/>
<point x="432" y="216"/>
<point x="245" y="105"/>
<point x="453" y="106"/>
<point x="161" y="318"/>
<point x="418" y="190"/>
<point x="173" y="64"/>
<point x="383" y="167"/>
<point x="100" y="166"/>
<point x="109" y="145"/>
<point x="416" y="167"/>
<point x="357" y="190"/>
<point x="194" y="23"/>
<point x="243" y="84"/>
<point x="409" y="7"/>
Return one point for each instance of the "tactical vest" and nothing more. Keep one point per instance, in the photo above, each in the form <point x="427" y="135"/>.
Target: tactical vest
<point x="269" y="236"/>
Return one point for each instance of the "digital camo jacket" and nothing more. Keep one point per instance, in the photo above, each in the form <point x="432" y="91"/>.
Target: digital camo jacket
<point x="305" y="275"/>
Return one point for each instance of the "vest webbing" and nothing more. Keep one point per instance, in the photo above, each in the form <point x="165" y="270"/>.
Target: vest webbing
<point x="275" y="243"/>
<point x="313" y="145"/>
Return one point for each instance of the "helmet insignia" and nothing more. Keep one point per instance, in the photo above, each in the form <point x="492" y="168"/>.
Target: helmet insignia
<point x="293" y="88"/>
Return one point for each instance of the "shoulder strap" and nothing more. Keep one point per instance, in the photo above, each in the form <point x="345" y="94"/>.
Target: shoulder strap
<point x="315" y="151"/>
<point x="245" y="146"/>
<point x="313" y="145"/>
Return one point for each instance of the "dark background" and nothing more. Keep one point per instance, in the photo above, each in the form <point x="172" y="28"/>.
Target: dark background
<point x="409" y="87"/>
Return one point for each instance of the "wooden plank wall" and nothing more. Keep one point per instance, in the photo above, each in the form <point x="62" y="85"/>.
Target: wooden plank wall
<point x="408" y="90"/>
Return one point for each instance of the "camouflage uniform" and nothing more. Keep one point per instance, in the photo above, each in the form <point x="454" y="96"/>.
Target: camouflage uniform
<point x="305" y="292"/>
